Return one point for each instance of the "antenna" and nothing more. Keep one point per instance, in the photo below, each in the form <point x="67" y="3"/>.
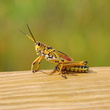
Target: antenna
<point x="31" y="33"/>
<point x="26" y="35"/>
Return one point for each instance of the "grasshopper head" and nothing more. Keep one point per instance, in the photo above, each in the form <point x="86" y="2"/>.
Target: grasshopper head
<point x="39" y="47"/>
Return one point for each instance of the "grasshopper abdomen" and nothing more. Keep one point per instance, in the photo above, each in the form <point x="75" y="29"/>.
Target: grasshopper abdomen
<point x="78" y="69"/>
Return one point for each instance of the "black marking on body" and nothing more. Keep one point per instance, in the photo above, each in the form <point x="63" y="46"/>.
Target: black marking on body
<point x="48" y="56"/>
<point x="81" y="69"/>
<point x="57" y="62"/>
<point x="49" y="47"/>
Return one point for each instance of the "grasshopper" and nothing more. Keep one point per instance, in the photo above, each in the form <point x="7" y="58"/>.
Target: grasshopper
<point x="63" y="62"/>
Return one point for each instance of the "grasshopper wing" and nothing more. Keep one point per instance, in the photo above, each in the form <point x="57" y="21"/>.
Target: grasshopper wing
<point x="64" y="56"/>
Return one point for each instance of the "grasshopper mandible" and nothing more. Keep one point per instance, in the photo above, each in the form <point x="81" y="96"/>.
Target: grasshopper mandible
<point x="62" y="61"/>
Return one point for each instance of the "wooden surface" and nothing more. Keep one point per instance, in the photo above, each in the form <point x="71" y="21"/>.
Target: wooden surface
<point x="23" y="90"/>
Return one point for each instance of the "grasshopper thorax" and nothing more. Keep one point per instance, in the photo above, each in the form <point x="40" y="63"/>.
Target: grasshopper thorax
<point x="43" y="49"/>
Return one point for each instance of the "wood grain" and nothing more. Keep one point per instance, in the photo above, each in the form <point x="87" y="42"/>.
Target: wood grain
<point x="23" y="90"/>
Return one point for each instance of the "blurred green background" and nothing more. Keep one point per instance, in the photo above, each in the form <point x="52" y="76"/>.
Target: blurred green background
<point x="79" y="28"/>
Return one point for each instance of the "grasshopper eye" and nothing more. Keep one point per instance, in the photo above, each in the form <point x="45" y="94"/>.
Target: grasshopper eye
<point x="38" y="43"/>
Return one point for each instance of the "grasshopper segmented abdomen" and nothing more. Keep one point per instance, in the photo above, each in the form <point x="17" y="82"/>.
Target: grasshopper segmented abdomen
<point x="79" y="69"/>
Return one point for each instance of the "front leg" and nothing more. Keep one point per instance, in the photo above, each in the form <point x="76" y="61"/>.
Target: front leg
<point x="37" y="60"/>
